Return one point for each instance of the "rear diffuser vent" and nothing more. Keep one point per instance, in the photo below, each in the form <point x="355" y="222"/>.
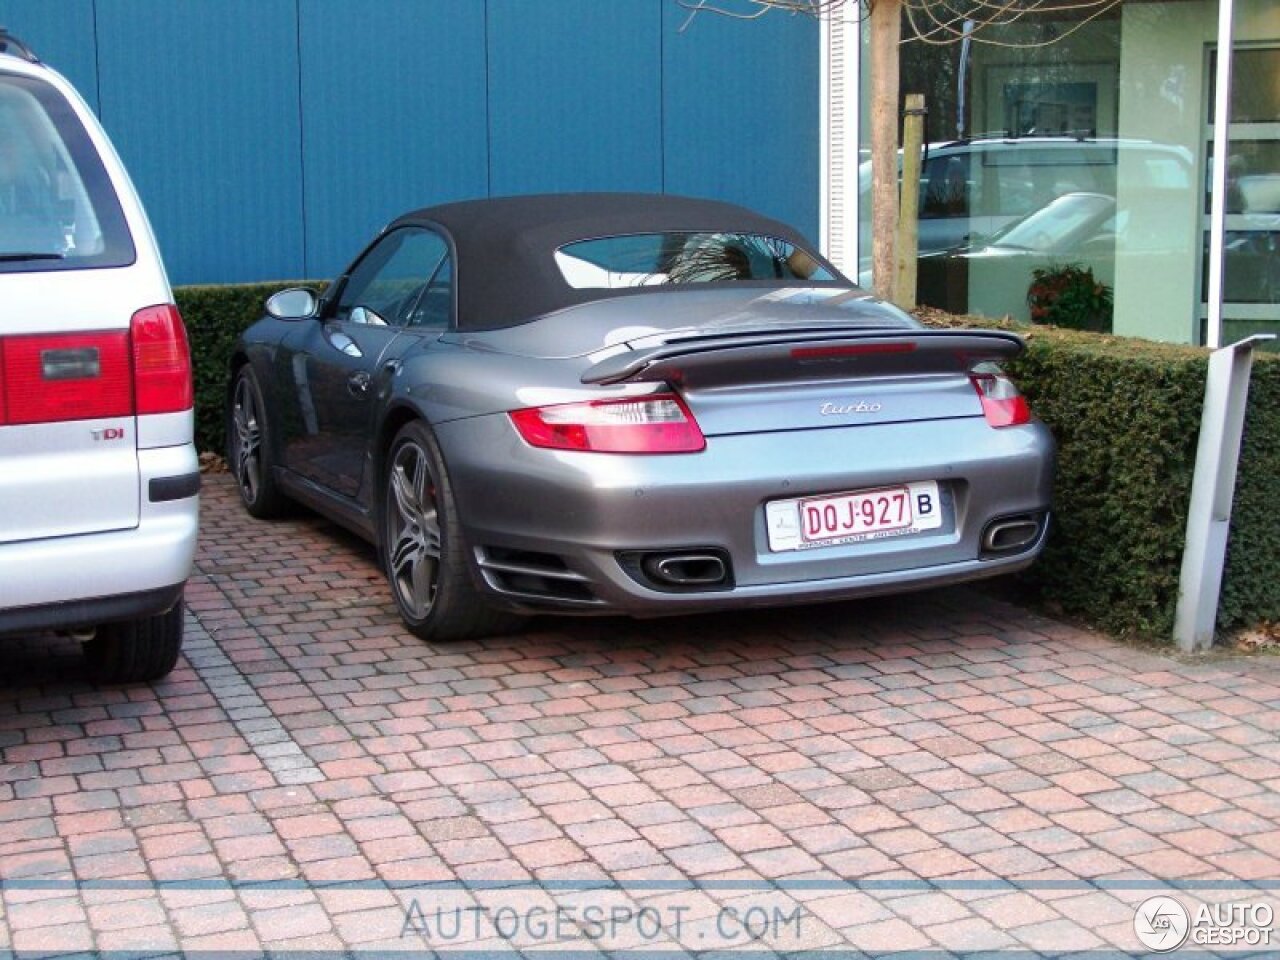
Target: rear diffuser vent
<point x="533" y="577"/>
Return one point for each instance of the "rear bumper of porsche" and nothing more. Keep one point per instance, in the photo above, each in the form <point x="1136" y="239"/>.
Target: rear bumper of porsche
<point x="578" y="532"/>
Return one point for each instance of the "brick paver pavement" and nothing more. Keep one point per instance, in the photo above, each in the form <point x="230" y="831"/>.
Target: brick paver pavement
<point x="931" y="770"/>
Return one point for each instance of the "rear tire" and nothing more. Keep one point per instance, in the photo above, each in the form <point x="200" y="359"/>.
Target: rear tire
<point x="425" y="554"/>
<point x="249" y="449"/>
<point x="137" y="651"/>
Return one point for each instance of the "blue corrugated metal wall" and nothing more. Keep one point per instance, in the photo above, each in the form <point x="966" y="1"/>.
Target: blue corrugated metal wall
<point x="270" y="138"/>
<point x="575" y="95"/>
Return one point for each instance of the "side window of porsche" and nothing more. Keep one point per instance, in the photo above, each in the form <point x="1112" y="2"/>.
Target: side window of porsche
<point x="385" y="287"/>
<point x="435" y="305"/>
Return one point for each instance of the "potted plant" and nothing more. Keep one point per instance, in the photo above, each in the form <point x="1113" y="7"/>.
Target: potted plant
<point x="1069" y="295"/>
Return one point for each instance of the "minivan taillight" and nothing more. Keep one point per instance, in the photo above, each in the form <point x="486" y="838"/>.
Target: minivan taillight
<point x="49" y="378"/>
<point x="66" y="376"/>
<point x="161" y="361"/>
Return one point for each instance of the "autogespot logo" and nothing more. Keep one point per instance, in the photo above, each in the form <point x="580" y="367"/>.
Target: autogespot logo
<point x="1162" y="924"/>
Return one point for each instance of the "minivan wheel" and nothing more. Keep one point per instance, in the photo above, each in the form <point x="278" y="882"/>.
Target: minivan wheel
<point x="424" y="549"/>
<point x="136" y="651"/>
<point x="249" y="449"/>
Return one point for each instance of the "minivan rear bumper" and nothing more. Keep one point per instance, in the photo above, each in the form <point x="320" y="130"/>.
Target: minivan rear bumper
<point x="77" y="614"/>
<point x="78" y="581"/>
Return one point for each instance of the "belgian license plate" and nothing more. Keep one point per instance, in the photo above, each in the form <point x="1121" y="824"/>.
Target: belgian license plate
<point x="808" y="522"/>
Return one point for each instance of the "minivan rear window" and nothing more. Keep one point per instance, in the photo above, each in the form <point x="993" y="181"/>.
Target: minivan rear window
<point x="58" y="208"/>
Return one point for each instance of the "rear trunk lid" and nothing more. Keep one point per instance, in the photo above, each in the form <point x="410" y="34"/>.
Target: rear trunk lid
<point x="68" y="437"/>
<point x="750" y="361"/>
<point x="815" y="379"/>
<point x="792" y="362"/>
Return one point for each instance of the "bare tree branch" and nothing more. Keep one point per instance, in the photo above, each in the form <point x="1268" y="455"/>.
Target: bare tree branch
<point x="934" y="22"/>
<point x="758" y="8"/>
<point x="947" y="19"/>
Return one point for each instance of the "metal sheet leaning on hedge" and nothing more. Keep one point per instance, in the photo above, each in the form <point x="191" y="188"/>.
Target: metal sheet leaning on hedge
<point x="1226" y="395"/>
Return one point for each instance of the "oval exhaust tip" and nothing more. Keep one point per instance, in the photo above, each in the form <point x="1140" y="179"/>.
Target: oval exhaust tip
<point x="688" y="570"/>
<point x="1005" y="535"/>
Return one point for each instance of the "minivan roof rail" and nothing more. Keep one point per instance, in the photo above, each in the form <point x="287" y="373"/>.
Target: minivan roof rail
<point x="1079" y="136"/>
<point x="11" y="44"/>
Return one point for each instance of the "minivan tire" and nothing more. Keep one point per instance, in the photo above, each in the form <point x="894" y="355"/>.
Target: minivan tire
<point x="137" y="651"/>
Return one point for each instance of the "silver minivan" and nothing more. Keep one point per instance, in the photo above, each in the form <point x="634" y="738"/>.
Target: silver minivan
<point x="99" y="477"/>
<point x="973" y="188"/>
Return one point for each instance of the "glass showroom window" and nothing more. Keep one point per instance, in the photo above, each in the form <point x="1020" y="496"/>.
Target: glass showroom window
<point x="1090" y="152"/>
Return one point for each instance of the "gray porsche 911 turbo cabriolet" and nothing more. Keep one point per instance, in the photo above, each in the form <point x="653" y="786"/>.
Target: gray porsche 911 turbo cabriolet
<point x="636" y="404"/>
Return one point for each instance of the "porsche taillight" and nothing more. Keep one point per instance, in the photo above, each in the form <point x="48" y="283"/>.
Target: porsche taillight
<point x="50" y="378"/>
<point x="654" y="424"/>
<point x="1002" y="404"/>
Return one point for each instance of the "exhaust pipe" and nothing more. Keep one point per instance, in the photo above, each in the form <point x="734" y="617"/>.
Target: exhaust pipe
<point x="679" y="570"/>
<point x="687" y="569"/>
<point x="1010" y="534"/>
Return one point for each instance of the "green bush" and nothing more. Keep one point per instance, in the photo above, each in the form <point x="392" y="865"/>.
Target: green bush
<point x="1251" y="591"/>
<point x="215" y="316"/>
<point x="1126" y="415"/>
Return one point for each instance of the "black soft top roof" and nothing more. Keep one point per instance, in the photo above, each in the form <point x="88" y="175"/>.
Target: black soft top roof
<point x="506" y="271"/>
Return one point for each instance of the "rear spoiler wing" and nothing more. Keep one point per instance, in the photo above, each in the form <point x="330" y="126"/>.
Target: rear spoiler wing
<point x="810" y="353"/>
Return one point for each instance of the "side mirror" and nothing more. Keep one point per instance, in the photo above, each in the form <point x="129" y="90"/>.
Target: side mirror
<point x="296" y="303"/>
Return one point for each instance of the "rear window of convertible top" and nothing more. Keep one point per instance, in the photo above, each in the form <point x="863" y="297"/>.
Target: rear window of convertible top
<point x="649" y="259"/>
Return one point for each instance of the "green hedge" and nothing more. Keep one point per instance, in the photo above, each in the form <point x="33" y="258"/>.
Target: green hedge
<point x="1126" y="414"/>
<point x="1252" y="589"/>
<point x="215" y="317"/>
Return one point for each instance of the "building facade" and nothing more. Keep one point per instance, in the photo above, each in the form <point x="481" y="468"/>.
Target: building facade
<point x="269" y="139"/>
<point x="1088" y="142"/>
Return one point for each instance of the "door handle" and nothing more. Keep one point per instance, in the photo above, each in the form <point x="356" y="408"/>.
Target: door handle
<point x="358" y="383"/>
<point x="340" y="341"/>
<point x="392" y="367"/>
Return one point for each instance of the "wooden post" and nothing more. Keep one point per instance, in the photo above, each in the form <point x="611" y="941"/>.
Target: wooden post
<point x="886" y="31"/>
<point x="908" y="243"/>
